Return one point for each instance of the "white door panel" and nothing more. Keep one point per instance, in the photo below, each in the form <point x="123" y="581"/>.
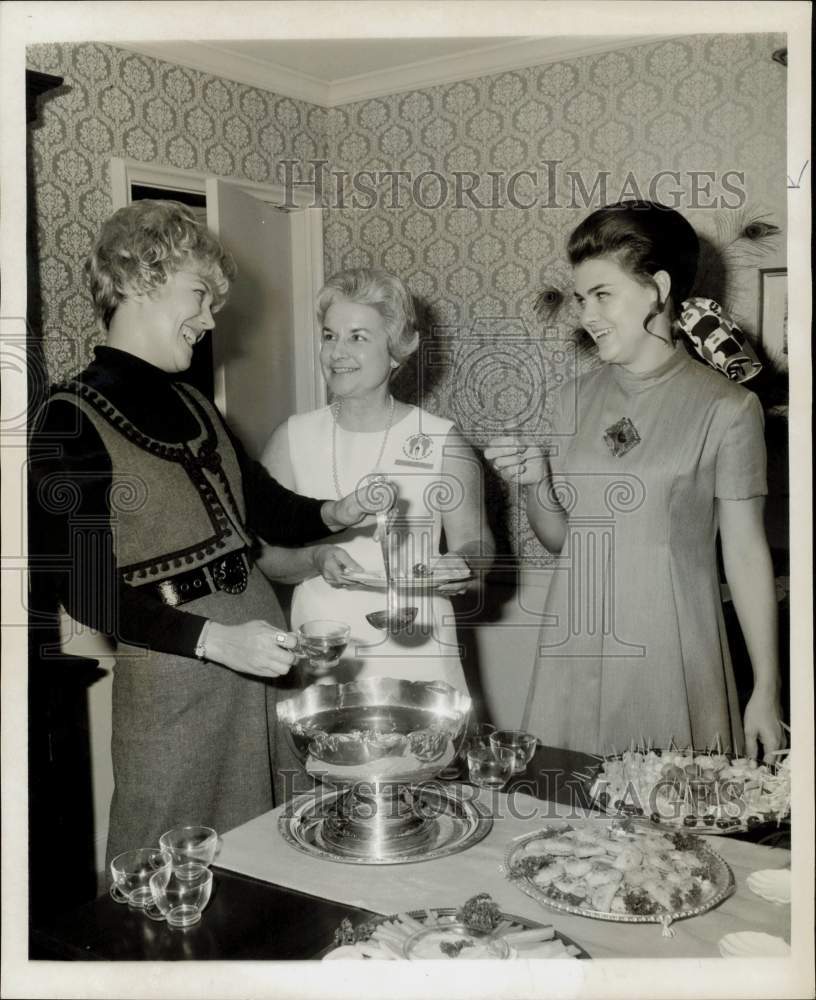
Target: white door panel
<point x="253" y="343"/>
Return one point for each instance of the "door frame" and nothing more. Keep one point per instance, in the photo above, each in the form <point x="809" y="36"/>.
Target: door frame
<point x="306" y="245"/>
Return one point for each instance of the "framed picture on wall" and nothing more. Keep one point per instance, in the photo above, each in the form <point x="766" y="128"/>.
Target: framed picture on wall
<point x="773" y="314"/>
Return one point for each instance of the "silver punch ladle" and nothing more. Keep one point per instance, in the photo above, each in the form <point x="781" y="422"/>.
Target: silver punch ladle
<point x="394" y="618"/>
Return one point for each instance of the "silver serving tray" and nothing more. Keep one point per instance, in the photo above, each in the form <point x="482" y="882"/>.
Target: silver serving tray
<point x="461" y="823"/>
<point x="447" y="915"/>
<point x="724" y="881"/>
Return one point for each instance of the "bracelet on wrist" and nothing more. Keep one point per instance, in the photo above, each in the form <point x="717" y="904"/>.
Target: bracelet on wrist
<point x="201" y="645"/>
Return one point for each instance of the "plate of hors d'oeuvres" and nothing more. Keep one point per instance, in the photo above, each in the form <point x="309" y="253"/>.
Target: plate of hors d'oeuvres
<point x="701" y="791"/>
<point x="622" y="870"/>
<point x="476" y="930"/>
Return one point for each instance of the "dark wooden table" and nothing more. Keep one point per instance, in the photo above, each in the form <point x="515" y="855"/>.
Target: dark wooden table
<point x="250" y="919"/>
<point x="245" y="919"/>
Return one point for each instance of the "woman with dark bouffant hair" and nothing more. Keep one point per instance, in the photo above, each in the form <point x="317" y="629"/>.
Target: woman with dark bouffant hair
<point x="149" y="509"/>
<point x="651" y="456"/>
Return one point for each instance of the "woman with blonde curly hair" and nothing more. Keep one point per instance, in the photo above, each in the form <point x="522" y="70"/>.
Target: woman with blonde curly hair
<point x="368" y="329"/>
<point x="158" y="542"/>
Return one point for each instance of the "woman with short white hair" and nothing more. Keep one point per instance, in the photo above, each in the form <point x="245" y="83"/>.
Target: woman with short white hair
<point x="368" y="329"/>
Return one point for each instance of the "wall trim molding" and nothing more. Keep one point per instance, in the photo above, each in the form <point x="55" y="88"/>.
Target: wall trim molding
<point x="474" y="64"/>
<point x="210" y="58"/>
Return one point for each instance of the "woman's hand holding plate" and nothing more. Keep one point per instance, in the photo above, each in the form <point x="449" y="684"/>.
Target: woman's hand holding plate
<point x="453" y="565"/>
<point x="334" y="564"/>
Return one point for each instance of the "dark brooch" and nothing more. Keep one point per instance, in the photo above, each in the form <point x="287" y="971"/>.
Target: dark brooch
<point x="621" y="437"/>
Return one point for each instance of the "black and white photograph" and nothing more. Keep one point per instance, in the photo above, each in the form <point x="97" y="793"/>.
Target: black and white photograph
<point x="407" y="523"/>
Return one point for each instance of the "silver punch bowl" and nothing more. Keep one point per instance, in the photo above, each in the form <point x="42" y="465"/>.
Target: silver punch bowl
<point x="376" y="745"/>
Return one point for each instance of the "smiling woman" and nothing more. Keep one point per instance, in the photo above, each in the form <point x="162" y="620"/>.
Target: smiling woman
<point x="613" y="305"/>
<point x="368" y="329"/>
<point x="141" y="247"/>
<point x="201" y="372"/>
<point x="145" y="509"/>
<point x="652" y="457"/>
<point x="168" y="322"/>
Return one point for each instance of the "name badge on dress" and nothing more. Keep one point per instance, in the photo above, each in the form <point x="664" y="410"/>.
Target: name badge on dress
<point x="417" y="447"/>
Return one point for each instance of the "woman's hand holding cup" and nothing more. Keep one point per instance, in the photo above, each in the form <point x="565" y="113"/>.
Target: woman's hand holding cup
<point x="256" y="648"/>
<point x="515" y="462"/>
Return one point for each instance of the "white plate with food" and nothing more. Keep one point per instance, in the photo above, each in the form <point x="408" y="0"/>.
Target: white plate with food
<point x="622" y="870"/>
<point x="697" y="791"/>
<point x="429" y="581"/>
<point x="478" y="929"/>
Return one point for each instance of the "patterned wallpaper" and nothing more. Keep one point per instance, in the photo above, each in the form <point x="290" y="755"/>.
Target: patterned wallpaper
<point x="118" y="103"/>
<point x="702" y="103"/>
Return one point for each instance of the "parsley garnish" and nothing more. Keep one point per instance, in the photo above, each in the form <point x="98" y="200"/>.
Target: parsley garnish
<point x="452" y="948"/>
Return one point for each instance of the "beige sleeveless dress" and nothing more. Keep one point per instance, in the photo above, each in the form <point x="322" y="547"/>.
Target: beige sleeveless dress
<point x="413" y="460"/>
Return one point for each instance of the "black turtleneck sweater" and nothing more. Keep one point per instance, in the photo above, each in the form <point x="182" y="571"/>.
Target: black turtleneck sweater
<point x="66" y="442"/>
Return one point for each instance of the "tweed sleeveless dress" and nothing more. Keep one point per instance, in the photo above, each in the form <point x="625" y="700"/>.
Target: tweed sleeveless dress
<point x="413" y="460"/>
<point x="633" y="642"/>
<point x="193" y="742"/>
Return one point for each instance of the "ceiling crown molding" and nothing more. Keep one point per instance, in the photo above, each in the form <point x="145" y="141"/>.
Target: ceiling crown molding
<point x="210" y="58"/>
<point x="475" y="63"/>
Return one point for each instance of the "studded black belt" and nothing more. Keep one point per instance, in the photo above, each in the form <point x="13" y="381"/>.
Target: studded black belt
<point x="229" y="574"/>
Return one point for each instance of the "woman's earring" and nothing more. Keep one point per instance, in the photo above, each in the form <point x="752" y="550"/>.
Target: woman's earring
<point x="394" y="364"/>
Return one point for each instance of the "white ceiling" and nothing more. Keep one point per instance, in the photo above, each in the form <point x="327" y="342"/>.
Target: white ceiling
<point x="334" y="60"/>
<point x="335" y="71"/>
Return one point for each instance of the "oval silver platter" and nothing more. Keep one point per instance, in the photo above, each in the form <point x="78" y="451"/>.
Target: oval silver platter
<point x="723" y="884"/>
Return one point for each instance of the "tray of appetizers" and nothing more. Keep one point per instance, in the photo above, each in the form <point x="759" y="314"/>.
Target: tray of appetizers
<point x="622" y="870"/>
<point x="699" y="791"/>
<point x="477" y="929"/>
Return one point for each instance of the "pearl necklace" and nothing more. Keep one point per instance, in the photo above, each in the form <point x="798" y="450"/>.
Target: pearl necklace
<point x="336" y="407"/>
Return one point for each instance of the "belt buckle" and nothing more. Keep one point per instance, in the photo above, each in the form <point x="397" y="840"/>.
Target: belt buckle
<point x="230" y="574"/>
<point x="169" y="593"/>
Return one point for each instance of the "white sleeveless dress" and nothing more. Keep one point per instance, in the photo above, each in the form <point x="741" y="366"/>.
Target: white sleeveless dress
<point x="413" y="460"/>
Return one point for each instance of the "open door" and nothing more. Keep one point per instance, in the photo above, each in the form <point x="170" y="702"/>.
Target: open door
<point x="254" y="342"/>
